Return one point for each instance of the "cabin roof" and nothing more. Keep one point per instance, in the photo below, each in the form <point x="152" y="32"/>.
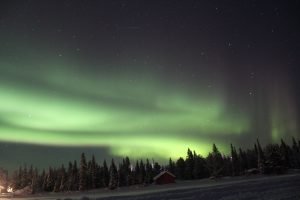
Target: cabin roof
<point x="162" y="173"/>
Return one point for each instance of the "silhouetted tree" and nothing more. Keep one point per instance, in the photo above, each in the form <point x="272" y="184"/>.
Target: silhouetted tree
<point x="142" y="173"/>
<point x="50" y="180"/>
<point x="156" y="168"/>
<point x="180" y="168"/>
<point x="83" y="173"/>
<point x="273" y="158"/>
<point x="189" y="165"/>
<point x="113" y="176"/>
<point x="260" y="158"/>
<point x="243" y="165"/>
<point x="295" y="155"/>
<point x="199" y="169"/>
<point x="63" y="180"/>
<point x="91" y="171"/>
<point x="171" y="166"/>
<point x="105" y="176"/>
<point x="234" y="161"/>
<point x="285" y="154"/>
<point x="149" y="173"/>
<point x="215" y="162"/>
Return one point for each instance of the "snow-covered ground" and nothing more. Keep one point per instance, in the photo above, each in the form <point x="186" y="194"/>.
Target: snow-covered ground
<point x="258" y="187"/>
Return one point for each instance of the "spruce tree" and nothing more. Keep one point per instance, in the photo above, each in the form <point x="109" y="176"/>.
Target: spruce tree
<point x="121" y="175"/>
<point x="57" y="181"/>
<point x="251" y="158"/>
<point x="242" y="161"/>
<point x="199" y="169"/>
<point x="149" y="172"/>
<point x="260" y="158"/>
<point x="105" y="174"/>
<point x="113" y="176"/>
<point x="63" y="180"/>
<point x="75" y="180"/>
<point x="234" y="161"/>
<point x="215" y="162"/>
<point x="274" y="163"/>
<point x="142" y="172"/>
<point x="50" y="180"/>
<point x="99" y="176"/>
<point x="127" y="168"/>
<point x="189" y="164"/>
<point x="24" y="178"/>
<point x="171" y="166"/>
<point x="69" y="177"/>
<point x="179" y="169"/>
<point x="35" y="182"/>
<point x="295" y="154"/>
<point x="156" y="168"/>
<point x="284" y="152"/>
<point x="137" y="173"/>
<point x="93" y="172"/>
<point x="83" y="173"/>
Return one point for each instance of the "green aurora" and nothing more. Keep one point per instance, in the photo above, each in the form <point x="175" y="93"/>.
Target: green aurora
<point x="131" y="114"/>
<point x="143" y="80"/>
<point x="133" y="118"/>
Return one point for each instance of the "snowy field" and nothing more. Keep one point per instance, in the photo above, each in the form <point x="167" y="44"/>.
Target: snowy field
<point x="260" y="187"/>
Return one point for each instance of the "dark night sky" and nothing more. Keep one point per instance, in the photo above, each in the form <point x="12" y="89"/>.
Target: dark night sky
<point x="145" y="78"/>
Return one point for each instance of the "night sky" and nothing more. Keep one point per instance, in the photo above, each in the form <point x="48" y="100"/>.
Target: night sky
<point x="145" y="78"/>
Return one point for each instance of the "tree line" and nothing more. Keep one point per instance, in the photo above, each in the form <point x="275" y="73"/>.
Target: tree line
<point x="88" y="175"/>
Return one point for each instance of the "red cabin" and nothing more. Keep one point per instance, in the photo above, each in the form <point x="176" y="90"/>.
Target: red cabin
<point x="164" y="177"/>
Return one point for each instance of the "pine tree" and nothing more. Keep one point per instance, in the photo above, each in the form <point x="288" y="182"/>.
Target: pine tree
<point x="127" y="168"/>
<point x="234" y="161"/>
<point x="57" y="181"/>
<point x="156" y="168"/>
<point x="93" y="172"/>
<point x="227" y="169"/>
<point x="295" y="154"/>
<point x="83" y="173"/>
<point x="50" y="180"/>
<point x="215" y="162"/>
<point x="30" y="175"/>
<point x="260" y="158"/>
<point x="63" y="180"/>
<point x="285" y="155"/>
<point x="35" y="183"/>
<point x="89" y="177"/>
<point x="99" y="176"/>
<point x="40" y="181"/>
<point x="121" y="175"/>
<point x="142" y="172"/>
<point x="199" y="169"/>
<point x="24" y="178"/>
<point x="113" y="176"/>
<point x="149" y="172"/>
<point x="171" y="166"/>
<point x="124" y="172"/>
<point x="179" y="169"/>
<point x="251" y="156"/>
<point x="295" y="145"/>
<point x="274" y="163"/>
<point x="242" y="161"/>
<point x="75" y="180"/>
<point x="189" y="164"/>
<point x="69" y="177"/>
<point x="105" y="174"/>
<point x="137" y="173"/>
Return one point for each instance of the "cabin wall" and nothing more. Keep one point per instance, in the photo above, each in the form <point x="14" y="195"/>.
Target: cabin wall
<point x="165" y="179"/>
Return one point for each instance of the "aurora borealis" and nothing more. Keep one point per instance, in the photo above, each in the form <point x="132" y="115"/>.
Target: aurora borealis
<point x="145" y="79"/>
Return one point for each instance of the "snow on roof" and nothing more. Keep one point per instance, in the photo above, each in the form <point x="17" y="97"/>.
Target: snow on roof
<point x="162" y="173"/>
